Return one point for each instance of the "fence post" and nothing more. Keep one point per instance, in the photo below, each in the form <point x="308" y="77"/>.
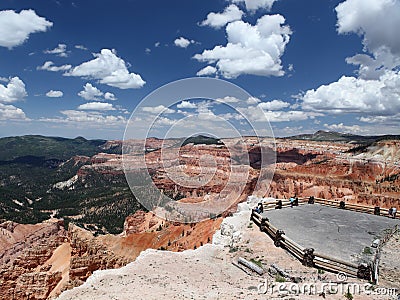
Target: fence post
<point x="377" y="211"/>
<point x="308" y="257"/>
<point x="279" y="204"/>
<point x="263" y="223"/>
<point x="364" y="271"/>
<point x="278" y="237"/>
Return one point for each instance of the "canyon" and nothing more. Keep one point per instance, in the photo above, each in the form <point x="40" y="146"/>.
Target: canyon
<point x="39" y="261"/>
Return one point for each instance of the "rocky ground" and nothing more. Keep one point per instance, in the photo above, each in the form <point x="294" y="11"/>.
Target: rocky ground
<point x="208" y="272"/>
<point x="389" y="272"/>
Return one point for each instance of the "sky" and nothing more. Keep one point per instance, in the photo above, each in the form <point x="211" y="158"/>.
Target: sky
<point x="84" y="68"/>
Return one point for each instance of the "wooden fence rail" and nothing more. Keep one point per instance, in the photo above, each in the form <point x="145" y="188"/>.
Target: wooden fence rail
<point x="314" y="259"/>
<point x="283" y="203"/>
<point x="382" y="242"/>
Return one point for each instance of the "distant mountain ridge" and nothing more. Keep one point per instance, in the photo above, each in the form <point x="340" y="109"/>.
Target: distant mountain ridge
<point x="12" y="148"/>
<point x="333" y="136"/>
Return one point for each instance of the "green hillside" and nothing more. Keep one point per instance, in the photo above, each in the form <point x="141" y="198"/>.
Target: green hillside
<point x="31" y="165"/>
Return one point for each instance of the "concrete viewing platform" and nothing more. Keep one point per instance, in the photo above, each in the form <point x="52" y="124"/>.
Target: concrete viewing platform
<point x="339" y="233"/>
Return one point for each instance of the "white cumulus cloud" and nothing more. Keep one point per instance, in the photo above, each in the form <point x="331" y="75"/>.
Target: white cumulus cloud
<point x="160" y="109"/>
<point x="183" y="42"/>
<point x="54" y="94"/>
<point x="345" y="128"/>
<point x="218" y="20"/>
<point x="253" y="5"/>
<point x="109" y="69"/>
<point x="15" y="28"/>
<point x="350" y="94"/>
<point x="95" y="119"/>
<point x="10" y="112"/>
<point x="259" y="115"/>
<point x="377" y="21"/>
<point x="102" y="106"/>
<point x="374" y="95"/>
<point x="109" y="96"/>
<point x="81" y="47"/>
<point x="49" y="66"/>
<point x="90" y="92"/>
<point x="207" y="71"/>
<point x="254" y="50"/>
<point x="186" y="104"/>
<point x="60" y="50"/>
<point x="228" y="99"/>
<point x="252" y="100"/>
<point x="274" y="105"/>
<point x="13" y="91"/>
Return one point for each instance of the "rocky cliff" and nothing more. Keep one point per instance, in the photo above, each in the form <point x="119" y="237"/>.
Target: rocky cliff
<point x="24" y="273"/>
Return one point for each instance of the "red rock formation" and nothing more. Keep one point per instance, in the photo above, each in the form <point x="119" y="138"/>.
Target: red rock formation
<point x="21" y="275"/>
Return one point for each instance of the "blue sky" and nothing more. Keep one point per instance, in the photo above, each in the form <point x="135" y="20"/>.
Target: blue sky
<point x="79" y="68"/>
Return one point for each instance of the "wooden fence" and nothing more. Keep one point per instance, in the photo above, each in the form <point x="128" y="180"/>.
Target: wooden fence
<point x="308" y="256"/>
<point x="383" y="240"/>
<point x="283" y="203"/>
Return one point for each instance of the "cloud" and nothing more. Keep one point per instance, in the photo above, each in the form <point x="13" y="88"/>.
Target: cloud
<point x="10" y="112"/>
<point x="157" y="44"/>
<point x="252" y="100"/>
<point x="209" y="70"/>
<point x="204" y="112"/>
<point x="160" y="109"/>
<point x="13" y="91"/>
<point x="357" y="95"/>
<point x="94" y="119"/>
<point x="380" y="119"/>
<point x="260" y="115"/>
<point x="109" y="96"/>
<point x="109" y="69"/>
<point x="274" y="105"/>
<point x="218" y="20"/>
<point x="374" y="93"/>
<point x="81" y="47"/>
<point x="54" y="94"/>
<point x="253" y="5"/>
<point x="345" y="128"/>
<point x="228" y="99"/>
<point x="15" y="28"/>
<point x="383" y="41"/>
<point x="60" y="50"/>
<point x="186" y="104"/>
<point x="162" y="121"/>
<point x="183" y="42"/>
<point x="254" y="50"/>
<point x="90" y="92"/>
<point x="96" y="106"/>
<point x="49" y="66"/>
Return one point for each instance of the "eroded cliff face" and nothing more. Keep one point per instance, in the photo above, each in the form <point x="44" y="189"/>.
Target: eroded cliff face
<point x="302" y="168"/>
<point x="24" y="273"/>
<point x="370" y="178"/>
<point x="89" y="254"/>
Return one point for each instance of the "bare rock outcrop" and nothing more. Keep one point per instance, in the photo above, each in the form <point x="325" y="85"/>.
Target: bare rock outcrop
<point x="29" y="247"/>
<point x="89" y="255"/>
